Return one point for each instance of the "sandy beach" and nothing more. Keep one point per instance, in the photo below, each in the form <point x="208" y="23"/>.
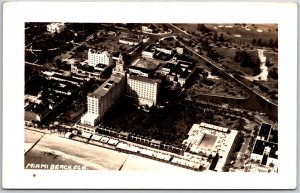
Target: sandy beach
<point x="53" y="149"/>
<point x="30" y="138"/>
<point x="58" y="150"/>
<point x="137" y="163"/>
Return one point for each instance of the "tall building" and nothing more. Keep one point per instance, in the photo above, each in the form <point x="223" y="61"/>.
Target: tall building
<point x="145" y="90"/>
<point x="120" y="66"/>
<point x="97" y="57"/>
<point x="105" y="96"/>
<point x="102" y="99"/>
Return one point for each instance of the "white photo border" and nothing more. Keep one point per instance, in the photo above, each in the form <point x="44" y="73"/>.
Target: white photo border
<point x="15" y="14"/>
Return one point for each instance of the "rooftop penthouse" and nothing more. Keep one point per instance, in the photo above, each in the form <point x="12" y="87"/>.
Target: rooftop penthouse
<point x="106" y="86"/>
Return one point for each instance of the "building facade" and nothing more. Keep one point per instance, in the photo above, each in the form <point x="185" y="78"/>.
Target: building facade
<point x="145" y="90"/>
<point x="96" y="57"/>
<point x="105" y="96"/>
<point x="148" y="52"/>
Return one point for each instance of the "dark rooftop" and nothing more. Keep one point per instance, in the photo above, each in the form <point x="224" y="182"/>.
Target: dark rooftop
<point x="145" y="70"/>
<point x="260" y="146"/>
<point x="184" y="74"/>
<point x="101" y="65"/>
<point x="64" y="87"/>
<point x="162" y="56"/>
<point x="189" y="65"/>
<point x="184" y="58"/>
<point x="36" y="108"/>
<point x="67" y="78"/>
<point x="116" y="54"/>
<point x="169" y="65"/>
<point x="150" y="48"/>
<point x="264" y="131"/>
<point x="273" y="137"/>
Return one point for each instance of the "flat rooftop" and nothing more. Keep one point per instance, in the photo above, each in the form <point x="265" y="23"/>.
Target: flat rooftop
<point x="144" y="79"/>
<point x="106" y="86"/>
<point x="37" y="108"/>
<point x="130" y="39"/>
<point x="260" y="146"/>
<point x="183" y="58"/>
<point x="169" y="65"/>
<point x="90" y="116"/>
<point x="145" y="70"/>
<point x="264" y="131"/>
<point x="66" y="78"/>
<point x="267" y="137"/>
<point x="101" y="65"/>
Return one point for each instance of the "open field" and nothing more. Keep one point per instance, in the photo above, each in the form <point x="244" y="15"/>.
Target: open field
<point x="237" y="32"/>
<point x="246" y="33"/>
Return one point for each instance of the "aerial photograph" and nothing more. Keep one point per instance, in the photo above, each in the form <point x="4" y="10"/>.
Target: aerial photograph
<point x="190" y="97"/>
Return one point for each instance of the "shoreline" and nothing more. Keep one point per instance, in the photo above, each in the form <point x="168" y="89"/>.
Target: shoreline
<point x="56" y="152"/>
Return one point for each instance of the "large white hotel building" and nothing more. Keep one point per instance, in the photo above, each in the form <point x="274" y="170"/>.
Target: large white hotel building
<point x="145" y="90"/>
<point x="105" y="96"/>
<point x="97" y="57"/>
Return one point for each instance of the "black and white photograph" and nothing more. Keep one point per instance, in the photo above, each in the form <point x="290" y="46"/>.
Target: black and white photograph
<point x="152" y="97"/>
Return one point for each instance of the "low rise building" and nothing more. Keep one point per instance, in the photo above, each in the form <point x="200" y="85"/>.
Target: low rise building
<point x="140" y="71"/>
<point x="130" y="41"/>
<point x="64" y="88"/>
<point x="56" y="27"/>
<point x="148" y="28"/>
<point x="63" y="78"/>
<point x="101" y="67"/>
<point x="165" y="49"/>
<point x="178" y="72"/>
<point x="149" y="52"/>
<point x="265" y="150"/>
<point x="33" y="99"/>
<point x="211" y="140"/>
<point x="36" y="112"/>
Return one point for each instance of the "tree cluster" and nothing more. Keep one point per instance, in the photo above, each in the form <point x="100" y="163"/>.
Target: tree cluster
<point x="245" y="60"/>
